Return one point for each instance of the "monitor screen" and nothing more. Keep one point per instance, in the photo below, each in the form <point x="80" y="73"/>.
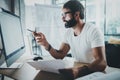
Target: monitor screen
<point x="2" y="58"/>
<point x="12" y="36"/>
<point x="0" y="45"/>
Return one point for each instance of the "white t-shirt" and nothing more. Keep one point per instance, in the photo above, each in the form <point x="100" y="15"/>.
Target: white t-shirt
<point x="81" y="45"/>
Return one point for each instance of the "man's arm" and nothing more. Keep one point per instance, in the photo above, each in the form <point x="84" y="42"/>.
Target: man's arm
<point x="58" y="54"/>
<point x="61" y="53"/>
<point x="99" y="64"/>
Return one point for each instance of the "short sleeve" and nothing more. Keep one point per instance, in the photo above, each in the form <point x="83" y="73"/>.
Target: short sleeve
<point x="97" y="38"/>
<point x="68" y="35"/>
<point x="65" y="37"/>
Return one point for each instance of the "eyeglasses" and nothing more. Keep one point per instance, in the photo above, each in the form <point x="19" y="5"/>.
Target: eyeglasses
<point x="64" y="14"/>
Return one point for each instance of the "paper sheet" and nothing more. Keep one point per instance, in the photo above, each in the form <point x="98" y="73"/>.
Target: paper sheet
<point x="52" y="65"/>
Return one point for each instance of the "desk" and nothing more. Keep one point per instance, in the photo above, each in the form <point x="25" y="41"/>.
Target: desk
<point x="27" y="72"/>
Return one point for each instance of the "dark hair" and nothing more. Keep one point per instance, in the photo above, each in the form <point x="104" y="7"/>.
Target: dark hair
<point x="74" y="6"/>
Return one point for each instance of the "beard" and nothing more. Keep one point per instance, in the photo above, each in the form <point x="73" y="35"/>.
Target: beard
<point x="72" y="22"/>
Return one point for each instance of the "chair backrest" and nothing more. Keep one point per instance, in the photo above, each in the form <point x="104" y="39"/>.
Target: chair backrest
<point x="113" y="55"/>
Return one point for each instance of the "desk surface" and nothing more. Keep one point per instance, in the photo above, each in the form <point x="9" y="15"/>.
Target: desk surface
<point x="27" y="72"/>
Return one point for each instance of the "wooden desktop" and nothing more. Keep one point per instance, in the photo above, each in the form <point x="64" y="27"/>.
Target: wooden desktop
<point x="27" y="72"/>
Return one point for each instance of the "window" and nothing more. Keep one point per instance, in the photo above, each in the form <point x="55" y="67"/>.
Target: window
<point x="105" y="14"/>
<point x="112" y="17"/>
<point x="95" y="13"/>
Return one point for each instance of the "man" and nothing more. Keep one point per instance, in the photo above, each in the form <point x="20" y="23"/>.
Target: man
<point x="84" y="39"/>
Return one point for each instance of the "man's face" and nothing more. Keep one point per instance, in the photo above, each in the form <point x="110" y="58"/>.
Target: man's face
<point x="68" y="18"/>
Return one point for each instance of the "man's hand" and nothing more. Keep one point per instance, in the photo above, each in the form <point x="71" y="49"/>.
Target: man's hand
<point x="41" y="39"/>
<point x="72" y="73"/>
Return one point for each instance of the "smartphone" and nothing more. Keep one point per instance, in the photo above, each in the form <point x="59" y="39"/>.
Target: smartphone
<point x="30" y="30"/>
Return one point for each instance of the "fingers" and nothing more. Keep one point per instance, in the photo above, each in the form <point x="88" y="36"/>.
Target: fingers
<point x="34" y="33"/>
<point x="39" y="37"/>
<point x="37" y="34"/>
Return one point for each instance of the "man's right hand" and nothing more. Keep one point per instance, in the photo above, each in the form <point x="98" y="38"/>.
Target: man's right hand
<point x="75" y="72"/>
<point x="41" y="39"/>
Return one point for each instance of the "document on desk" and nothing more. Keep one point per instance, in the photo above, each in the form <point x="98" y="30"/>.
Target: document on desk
<point x="52" y="65"/>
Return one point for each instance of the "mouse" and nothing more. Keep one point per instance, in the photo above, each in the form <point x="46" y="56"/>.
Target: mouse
<point x="37" y="58"/>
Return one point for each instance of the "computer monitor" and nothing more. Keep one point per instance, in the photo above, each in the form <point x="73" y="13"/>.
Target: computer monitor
<point x="12" y="36"/>
<point x="2" y="58"/>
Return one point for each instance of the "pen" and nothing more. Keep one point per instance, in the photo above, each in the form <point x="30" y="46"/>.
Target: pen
<point x="30" y="30"/>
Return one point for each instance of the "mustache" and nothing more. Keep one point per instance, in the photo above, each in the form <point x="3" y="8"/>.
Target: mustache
<point x="66" y="21"/>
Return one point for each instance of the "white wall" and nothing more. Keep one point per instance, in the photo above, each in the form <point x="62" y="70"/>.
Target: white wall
<point x="5" y="4"/>
<point x="32" y="2"/>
